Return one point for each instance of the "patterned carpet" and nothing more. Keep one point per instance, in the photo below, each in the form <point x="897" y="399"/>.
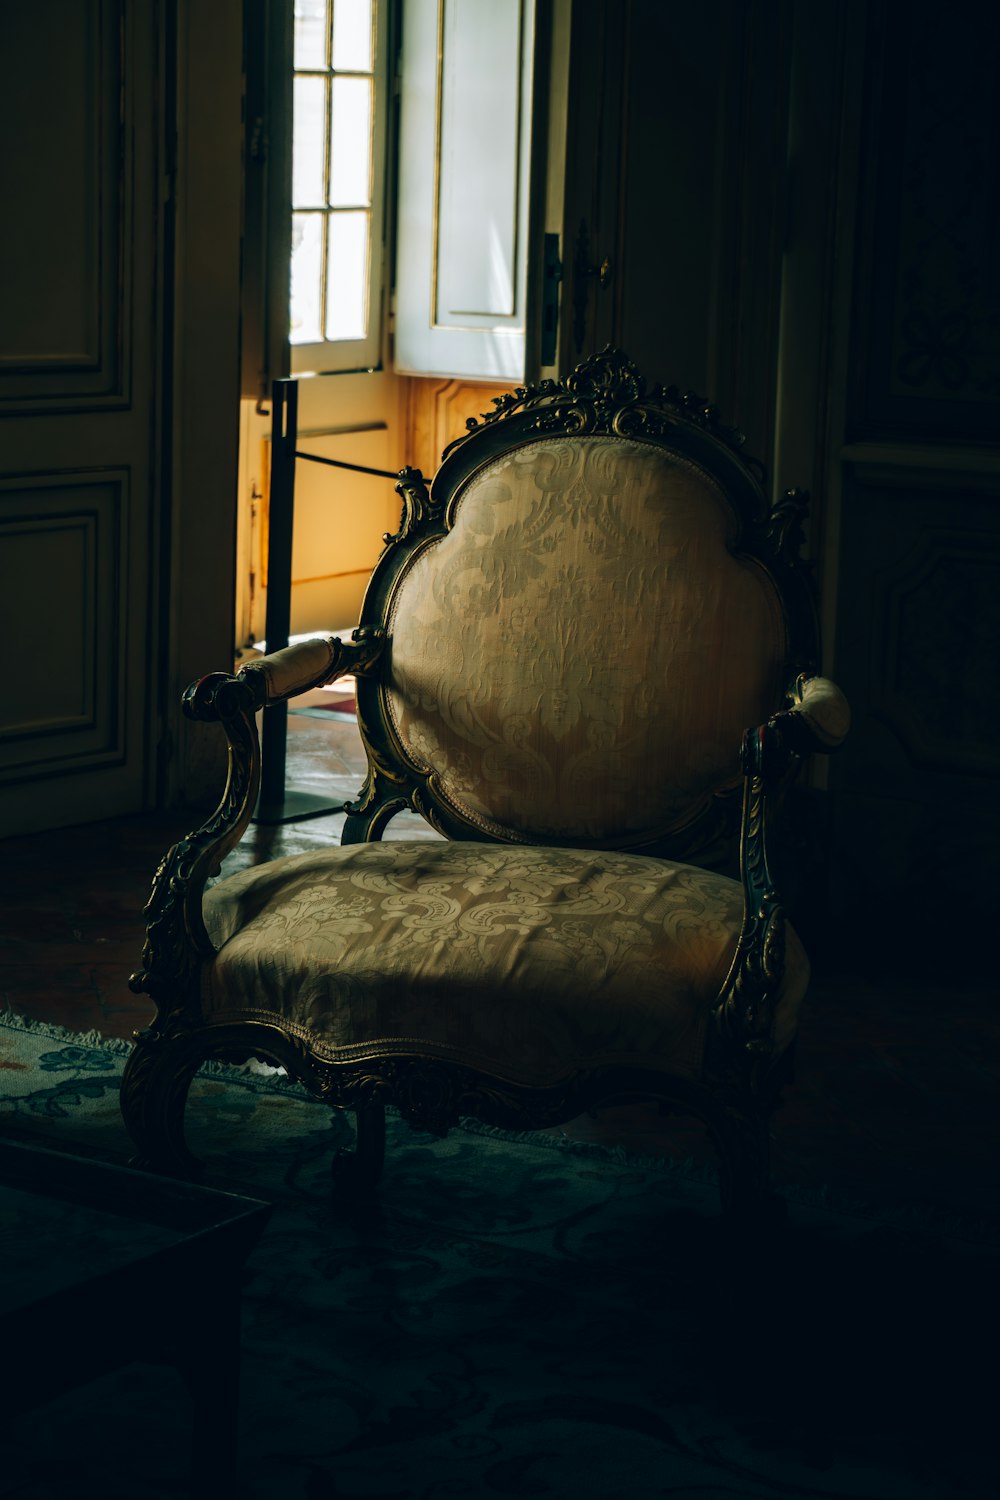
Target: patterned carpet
<point x="518" y="1318"/>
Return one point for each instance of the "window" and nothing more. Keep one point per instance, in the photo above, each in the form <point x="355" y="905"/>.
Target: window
<point x="338" y="151"/>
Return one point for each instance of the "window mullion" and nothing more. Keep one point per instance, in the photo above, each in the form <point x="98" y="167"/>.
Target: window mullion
<point x="327" y="170"/>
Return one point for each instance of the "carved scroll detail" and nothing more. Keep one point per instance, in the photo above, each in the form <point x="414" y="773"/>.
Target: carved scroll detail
<point x="419" y="507"/>
<point x="176" y="940"/>
<point x="606" y="393"/>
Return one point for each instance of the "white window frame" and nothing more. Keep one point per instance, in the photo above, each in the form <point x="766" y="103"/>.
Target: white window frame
<point x="331" y="356"/>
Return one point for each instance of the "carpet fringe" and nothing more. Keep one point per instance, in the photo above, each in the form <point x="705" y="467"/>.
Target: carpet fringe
<point x="249" y="1072"/>
<point x="16" y="1022"/>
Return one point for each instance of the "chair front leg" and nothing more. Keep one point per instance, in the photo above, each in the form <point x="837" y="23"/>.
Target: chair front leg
<point x="356" y="1172"/>
<point x="154" y="1091"/>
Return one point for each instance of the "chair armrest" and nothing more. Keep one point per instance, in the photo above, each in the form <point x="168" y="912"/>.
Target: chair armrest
<point x="309" y="664"/>
<point x="176" y="937"/>
<point x="295" y="669"/>
<point x="818" y="719"/>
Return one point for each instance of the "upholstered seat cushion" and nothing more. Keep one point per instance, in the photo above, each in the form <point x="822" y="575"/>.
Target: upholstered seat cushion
<point x="527" y="963"/>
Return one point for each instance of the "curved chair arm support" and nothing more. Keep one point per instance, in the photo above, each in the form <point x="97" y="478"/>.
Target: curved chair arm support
<point x="818" y="719"/>
<point x="745" y="1011"/>
<point x="176" y="938"/>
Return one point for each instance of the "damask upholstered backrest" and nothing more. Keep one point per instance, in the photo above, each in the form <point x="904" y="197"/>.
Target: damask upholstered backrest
<point x="579" y="643"/>
<point x="580" y="654"/>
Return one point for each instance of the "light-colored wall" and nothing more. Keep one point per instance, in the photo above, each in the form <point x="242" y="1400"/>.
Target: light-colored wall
<point x="340" y="516"/>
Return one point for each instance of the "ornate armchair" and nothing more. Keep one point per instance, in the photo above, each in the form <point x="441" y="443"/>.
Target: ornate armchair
<point x="586" y="640"/>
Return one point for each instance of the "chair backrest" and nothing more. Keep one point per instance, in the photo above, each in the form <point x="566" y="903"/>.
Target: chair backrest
<point x="585" y="614"/>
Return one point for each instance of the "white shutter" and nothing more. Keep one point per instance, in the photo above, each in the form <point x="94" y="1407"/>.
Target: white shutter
<point x="465" y="144"/>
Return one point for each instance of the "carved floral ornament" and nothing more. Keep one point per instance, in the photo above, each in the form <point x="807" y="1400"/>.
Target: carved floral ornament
<point x="606" y="393"/>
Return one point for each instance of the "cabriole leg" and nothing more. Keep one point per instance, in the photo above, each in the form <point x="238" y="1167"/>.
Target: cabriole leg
<point x="154" y="1091"/>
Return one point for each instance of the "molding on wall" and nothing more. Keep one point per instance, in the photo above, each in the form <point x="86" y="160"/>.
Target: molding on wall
<point x="435" y="412"/>
<point x="922" y="463"/>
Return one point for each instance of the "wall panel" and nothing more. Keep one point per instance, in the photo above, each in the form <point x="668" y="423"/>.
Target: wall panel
<point x="62" y="705"/>
<point x="80" y="392"/>
<point x="889" y="408"/>
<point x="917" y="821"/>
<point x="927" y="353"/>
<point x="436" y="412"/>
<point x="64" y="337"/>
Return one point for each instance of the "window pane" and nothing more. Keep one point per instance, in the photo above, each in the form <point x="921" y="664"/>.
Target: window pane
<point x="307" y="279"/>
<point x="347" y="277"/>
<point x="310" y="33"/>
<point x="308" y="130"/>
<point x="350" y="142"/>
<point x="352" y="35"/>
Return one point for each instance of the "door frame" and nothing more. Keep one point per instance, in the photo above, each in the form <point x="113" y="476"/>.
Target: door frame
<point x="203" y="193"/>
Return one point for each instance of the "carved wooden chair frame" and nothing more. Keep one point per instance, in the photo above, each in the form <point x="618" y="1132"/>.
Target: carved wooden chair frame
<point x="742" y="1077"/>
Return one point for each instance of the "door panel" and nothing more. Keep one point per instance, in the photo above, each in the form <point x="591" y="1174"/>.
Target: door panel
<point x="62" y="702"/>
<point x="436" y="413"/>
<point x="916" y="822"/>
<point x="78" y="351"/>
<point x="63" y="333"/>
<point x="888" y="378"/>
<point x="673" y="211"/>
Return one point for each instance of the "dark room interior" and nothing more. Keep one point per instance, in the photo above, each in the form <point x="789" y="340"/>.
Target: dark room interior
<point x="790" y="207"/>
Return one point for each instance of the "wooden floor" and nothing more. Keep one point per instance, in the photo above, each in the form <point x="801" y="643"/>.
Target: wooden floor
<point x="898" y="1075"/>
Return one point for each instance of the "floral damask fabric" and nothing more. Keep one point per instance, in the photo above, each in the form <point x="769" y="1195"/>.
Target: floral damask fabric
<point x="580" y="655"/>
<point x="527" y="963"/>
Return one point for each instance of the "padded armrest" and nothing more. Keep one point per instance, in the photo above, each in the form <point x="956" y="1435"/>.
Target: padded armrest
<point x="818" y="720"/>
<point x="821" y="708"/>
<point x="309" y="664"/>
<point x="296" y="669"/>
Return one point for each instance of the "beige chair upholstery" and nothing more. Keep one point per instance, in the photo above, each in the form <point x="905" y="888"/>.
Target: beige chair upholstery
<point x="583" y="639"/>
<point x="613" y="641"/>
<point x="524" y="962"/>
